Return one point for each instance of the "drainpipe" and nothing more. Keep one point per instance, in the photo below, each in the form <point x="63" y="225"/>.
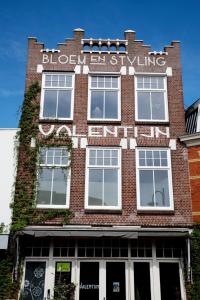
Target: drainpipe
<point x="188" y="260"/>
<point x="17" y="258"/>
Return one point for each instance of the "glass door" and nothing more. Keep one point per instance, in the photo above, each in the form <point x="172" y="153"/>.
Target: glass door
<point x="34" y="281"/>
<point x="115" y="281"/>
<point x="170" y="281"/>
<point x="141" y="280"/>
<point x="89" y="281"/>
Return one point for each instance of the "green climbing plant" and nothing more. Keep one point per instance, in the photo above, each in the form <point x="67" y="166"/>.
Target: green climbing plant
<point x="194" y="288"/>
<point x="23" y="206"/>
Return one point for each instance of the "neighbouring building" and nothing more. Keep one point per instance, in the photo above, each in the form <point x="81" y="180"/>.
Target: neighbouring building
<point x="106" y="130"/>
<point x="192" y="141"/>
<point x="8" y="145"/>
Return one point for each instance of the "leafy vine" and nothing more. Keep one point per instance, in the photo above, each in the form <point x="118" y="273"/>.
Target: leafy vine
<point x="194" y="288"/>
<point x="23" y="206"/>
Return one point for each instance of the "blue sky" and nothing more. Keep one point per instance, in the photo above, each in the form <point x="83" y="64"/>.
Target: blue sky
<point x="155" y="22"/>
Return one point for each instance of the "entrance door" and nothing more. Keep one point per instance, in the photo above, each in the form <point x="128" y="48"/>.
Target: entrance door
<point x="89" y="281"/>
<point x="115" y="281"/>
<point x="141" y="280"/>
<point x="34" y="280"/>
<point x="170" y="281"/>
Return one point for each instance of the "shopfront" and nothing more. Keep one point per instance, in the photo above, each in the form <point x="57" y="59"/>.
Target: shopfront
<point x="106" y="268"/>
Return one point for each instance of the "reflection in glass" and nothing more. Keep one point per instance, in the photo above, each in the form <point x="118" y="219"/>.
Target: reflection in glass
<point x="158" y="106"/>
<point x="97" y="99"/>
<point x="110" y="187"/>
<point x="59" y="187"/>
<point x="64" y="104"/>
<point x="144" y="106"/>
<point x="95" y="187"/>
<point x="146" y="188"/>
<point x="44" y="186"/>
<point x="111" y="105"/>
<point x="50" y="104"/>
<point x="161" y="187"/>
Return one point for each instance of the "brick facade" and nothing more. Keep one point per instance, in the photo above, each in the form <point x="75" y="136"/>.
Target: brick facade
<point x="129" y="237"/>
<point x="181" y="216"/>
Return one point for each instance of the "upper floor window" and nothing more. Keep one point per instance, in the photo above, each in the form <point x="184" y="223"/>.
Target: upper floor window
<point x="154" y="182"/>
<point x="103" y="178"/>
<point x="104" y="98"/>
<point x="57" y="96"/>
<point x="151" y="98"/>
<point x="53" y="178"/>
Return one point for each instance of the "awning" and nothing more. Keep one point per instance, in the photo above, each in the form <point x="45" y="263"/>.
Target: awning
<point x="128" y="232"/>
<point x="3" y="241"/>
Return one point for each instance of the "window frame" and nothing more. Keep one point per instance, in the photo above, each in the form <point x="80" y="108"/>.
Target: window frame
<point x="68" y="180"/>
<point x="119" y="168"/>
<point x="57" y="88"/>
<point x="151" y="90"/>
<point x="170" y="185"/>
<point x="104" y="89"/>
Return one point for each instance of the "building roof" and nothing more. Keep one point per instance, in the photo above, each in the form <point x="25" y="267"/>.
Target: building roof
<point x="192" y="117"/>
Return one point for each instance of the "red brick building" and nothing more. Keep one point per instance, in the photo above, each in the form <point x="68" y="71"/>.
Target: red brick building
<point x="192" y="141"/>
<point x="125" y="179"/>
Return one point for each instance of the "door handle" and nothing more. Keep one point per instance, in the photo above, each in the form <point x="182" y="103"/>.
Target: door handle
<point x="48" y="294"/>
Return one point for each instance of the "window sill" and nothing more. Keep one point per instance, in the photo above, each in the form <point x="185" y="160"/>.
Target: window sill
<point x="156" y="211"/>
<point x="103" y="211"/>
<point x="165" y="123"/>
<point x="56" y="121"/>
<point x="104" y="122"/>
<point x="45" y="208"/>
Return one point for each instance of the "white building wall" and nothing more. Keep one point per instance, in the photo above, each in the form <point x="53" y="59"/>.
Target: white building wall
<point x="8" y="157"/>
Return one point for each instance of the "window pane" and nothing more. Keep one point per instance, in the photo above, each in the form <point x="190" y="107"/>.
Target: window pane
<point x="95" y="193"/>
<point x="163" y="154"/>
<point x="64" y="104"/>
<point x="68" y="81"/>
<point x="101" y="83"/>
<point x="160" y="82"/>
<point x="100" y="157"/>
<point x="111" y="105"/>
<point x="108" y="82"/>
<point x="97" y="99"/>
<point x="50" y="154"/>
<point x="161" y="187"/>
<point x="146" y="188"/>
<point x="158" y="106"/>
<point x="44" y="186"/>
<point x="153" y="82"/>
<point x="111" y="187"/>
<point x="59" y="186"/>
<point x="50" y="103"/>
<point x="144" y="110"/>
<point x="114" y="82"/>
<point x="146" y="82"/>
<point x="94" y="82"/>
<point x="149" y="159"/>
<point x="42" y="156"/>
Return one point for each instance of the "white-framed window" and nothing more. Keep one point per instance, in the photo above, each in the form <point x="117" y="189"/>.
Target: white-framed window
<point x="53" y="186"/>
<point x="103" y="178"/>
<point x="151" y="98"/>
<point x="57" y="96"/>
<point x="104" y="98"/>
<point x="154" y="179"/>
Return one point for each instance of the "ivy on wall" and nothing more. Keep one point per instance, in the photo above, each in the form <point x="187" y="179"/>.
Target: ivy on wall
<point x="23" y="206"/>
<point x="8" y="288"/>
<point x="24" y="210"/>
<point x="194" y="288"/>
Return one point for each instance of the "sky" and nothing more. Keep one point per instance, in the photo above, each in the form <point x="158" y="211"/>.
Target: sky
<point x="51" y="22"/>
